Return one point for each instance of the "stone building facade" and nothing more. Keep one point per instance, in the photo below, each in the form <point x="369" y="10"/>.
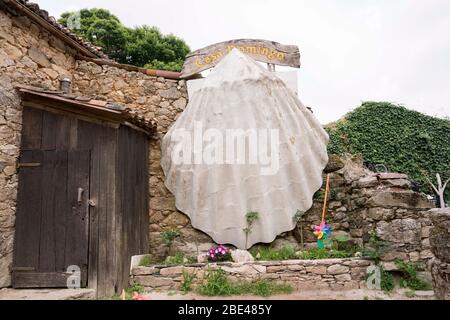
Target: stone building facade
<point x="39" y="52"/>
<point x="35" y="52"/>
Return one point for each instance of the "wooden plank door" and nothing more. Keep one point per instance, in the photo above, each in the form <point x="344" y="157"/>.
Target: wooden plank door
<point x="52" y="220"/>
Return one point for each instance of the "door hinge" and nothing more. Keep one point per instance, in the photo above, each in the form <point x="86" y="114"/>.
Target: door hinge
<point x="23" y="269"/>
<point x="28" y="164"/>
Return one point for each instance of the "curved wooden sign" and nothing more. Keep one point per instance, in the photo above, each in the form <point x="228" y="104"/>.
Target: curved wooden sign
<point x="260" y="50"/>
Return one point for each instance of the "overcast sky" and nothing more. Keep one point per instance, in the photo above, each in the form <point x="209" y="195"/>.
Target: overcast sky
<point x="351" y="51"/>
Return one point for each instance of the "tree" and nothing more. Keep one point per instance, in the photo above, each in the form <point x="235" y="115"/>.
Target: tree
<point x="142" y="46"/>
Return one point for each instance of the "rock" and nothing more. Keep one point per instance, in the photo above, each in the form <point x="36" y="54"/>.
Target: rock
<point x="337" y="269"/>
<point x="153" y="281"/>
<point x="6" y="36"/>
<point x="343" y="277"/>
<point x="171" y="93"/>
<point x="13" y="52"/>
<point x="334" y="163"/>
<point x="389" y="266"/>
<point x="180" y="103"/>
<point x="440" y="272"/>
<point x="246" y="269"/>
<point x="401" y="231"/>
<point x="403" y="199"/>
<point x="368" y="181"/>
<point x="440" y="233"/>
<point x="239" y="255"/>
<point x="317" y="269"/>
<point x="40" y="58"/>
<point x="144" y="270"/>
<point x="391" y="175"/>
<point x="398" y="183"/>
<point x="175" y="270"/>
<point x="202" y="258"/>
<point x="5" y="61"/>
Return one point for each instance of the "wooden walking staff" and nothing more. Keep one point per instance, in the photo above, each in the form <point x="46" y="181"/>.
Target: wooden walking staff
<point x="322" y="231"/>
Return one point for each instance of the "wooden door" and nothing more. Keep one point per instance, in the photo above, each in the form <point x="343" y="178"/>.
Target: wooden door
<point x="52" y="220"/>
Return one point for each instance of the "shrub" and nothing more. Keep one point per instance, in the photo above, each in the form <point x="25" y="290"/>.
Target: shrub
<point x="179" y="258"/>
<point x="409" y="276"/>
<point x="186" y="284"/>
<point x="146" y="261"/>
<point x="403" y="140"/>
<point x="267" y="253"/>
<point x="217" y="284"/>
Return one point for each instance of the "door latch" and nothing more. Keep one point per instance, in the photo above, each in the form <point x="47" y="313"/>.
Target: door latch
<point x="80" y="194"/>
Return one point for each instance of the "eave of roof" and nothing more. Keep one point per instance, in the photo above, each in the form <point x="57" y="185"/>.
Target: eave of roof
<point x="88" y="107"/>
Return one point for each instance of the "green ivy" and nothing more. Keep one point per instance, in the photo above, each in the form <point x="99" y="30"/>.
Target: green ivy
<point x="403" y="140"/>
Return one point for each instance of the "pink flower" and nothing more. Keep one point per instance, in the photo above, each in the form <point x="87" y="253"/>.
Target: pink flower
<point x="139" y="296"/>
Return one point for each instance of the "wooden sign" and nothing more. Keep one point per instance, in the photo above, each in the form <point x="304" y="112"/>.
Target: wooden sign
<point x="260" y="50"/>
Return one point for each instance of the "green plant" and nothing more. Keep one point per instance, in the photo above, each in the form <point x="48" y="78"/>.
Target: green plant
<point x="216" y="283"/>
<point x="298" y="221"/>
<point x="135" y="287"/>
<point x="146" y="261"/>
<point x="401" y="139"/>
<point x="323" y="253"/>
<point x="186" y="284"/>
<point x="250" y="218"/>
<point x="376" y="247"/>
<point x="410" y="294"/>
<point x="267" y="253"/>
<point x="168" y="236"/>
<point x="409" y="276"/>
<point x="179" y="258"/>
<point x="387" y="281"/>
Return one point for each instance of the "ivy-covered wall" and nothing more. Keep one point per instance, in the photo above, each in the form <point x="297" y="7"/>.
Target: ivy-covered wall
<point x="401" y="139"/>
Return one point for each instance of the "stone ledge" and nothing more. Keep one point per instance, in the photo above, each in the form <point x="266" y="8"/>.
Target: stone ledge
<point x="345" y="273"/>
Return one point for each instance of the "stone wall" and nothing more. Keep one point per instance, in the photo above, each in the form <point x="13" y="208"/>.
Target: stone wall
<point x="152" y="97"/>
<point x="348" y="273"/>
<point x="363" y="202"/>
<point x="440" y="246"/>
<point x="28" y="56"/>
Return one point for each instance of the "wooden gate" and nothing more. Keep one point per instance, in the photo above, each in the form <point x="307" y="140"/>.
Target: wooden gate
<point x="52" y="217"/>
<point x="82" y="198"/>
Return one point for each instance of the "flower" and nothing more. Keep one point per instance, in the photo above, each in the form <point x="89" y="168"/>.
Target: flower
<point x="139" y="296"/>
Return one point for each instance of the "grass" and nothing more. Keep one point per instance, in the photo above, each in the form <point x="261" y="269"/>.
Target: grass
<point x="136" y="287"/>
<point x="146" y="261"/>
<point x="410" y="294"/>
<point x="266" y="253"/>
<point x="186" y="284"/>
<point x="318" y="253"/>
<point x="179" y="258"/>
<point x="288" y="252"/>
<point x="409" y="276"/>
<point x="217" y="284"/>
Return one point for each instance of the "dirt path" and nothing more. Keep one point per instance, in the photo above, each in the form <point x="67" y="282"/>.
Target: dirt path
<point x="358" y="294"/>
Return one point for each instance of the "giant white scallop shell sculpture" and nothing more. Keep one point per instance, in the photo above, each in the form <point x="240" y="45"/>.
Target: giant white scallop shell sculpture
<point x="244" y="143"/>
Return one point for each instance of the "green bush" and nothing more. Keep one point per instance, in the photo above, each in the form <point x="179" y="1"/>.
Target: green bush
<point x="186" y="284"/>
<point x="217" y="284"/>
<point x="403" y="140"/>
<point x="387" y="281"/>
<point x="267" y="253"/>
<point x="324" y="253"/>
<point x="179" y="258"/>
<point x="146" y="261"/>
<point x="409" y="276"/>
